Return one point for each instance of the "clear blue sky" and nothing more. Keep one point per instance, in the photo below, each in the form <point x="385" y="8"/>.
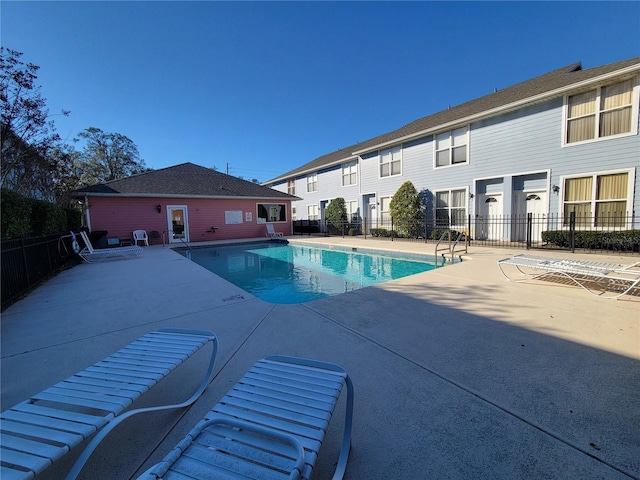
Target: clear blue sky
<point x="268" y="86"/>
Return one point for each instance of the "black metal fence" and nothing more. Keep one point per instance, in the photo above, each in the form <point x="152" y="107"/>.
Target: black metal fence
<point x="27" y="262"/>
<point x="619" y="233"/>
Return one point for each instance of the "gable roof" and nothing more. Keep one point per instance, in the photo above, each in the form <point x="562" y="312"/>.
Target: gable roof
<point x="553" y="84"/>
<point x="184" y="180"/>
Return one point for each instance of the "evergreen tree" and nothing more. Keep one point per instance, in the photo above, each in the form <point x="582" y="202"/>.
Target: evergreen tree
<point x="406" y="211"/>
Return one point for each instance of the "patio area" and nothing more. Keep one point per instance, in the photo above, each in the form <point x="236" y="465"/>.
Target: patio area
<point x="457" y="372"/>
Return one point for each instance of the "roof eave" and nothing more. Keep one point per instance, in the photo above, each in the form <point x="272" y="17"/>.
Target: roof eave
<point x="502" y="109"/>
<point x="161" y="195"/>
<point x="284" y="177"/>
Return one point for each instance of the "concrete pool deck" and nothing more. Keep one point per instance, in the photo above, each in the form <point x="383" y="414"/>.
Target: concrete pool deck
<point x="458" y="373"/>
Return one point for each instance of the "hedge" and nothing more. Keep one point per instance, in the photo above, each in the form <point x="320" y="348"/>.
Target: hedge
<point x="622" y="240"/>
<point x="27" y="217"/>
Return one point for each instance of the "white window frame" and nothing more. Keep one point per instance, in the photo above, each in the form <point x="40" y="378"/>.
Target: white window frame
<point x="291" y="186"/>
<point x="350" y="174"/>
<point x="294" y="215"/>
<point x="455" y="140"/>
<point x="387" y="158"/>
<point x="273" y="211"/>
<point x="450" y="207"/>
<point x="352" y="209"/>
<point x="598" y="112"/>
<point x="385" y="211"/>
<point x="594" y="201"/>
<point x="313" y="212"/>
<point x="312" y="183"/>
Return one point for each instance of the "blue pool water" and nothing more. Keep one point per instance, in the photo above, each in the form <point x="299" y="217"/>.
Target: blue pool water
<point x="293" y="273"/>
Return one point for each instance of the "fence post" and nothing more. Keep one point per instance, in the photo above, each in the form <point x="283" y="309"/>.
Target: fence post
<point x="572" y="232"/>
<point x="392" y="229"/>
<point x="468" y="235"/>
<point x="529" y="225"/>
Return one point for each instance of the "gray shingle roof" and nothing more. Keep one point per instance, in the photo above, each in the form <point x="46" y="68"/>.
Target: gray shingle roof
<point x="184" y="180"/>
<point x="531" y="89"/>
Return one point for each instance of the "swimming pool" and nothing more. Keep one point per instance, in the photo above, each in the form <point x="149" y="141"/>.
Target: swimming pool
<point x="279" y="272"/>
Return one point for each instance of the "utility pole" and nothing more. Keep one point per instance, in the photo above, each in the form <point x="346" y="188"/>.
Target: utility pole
<point x="227" y="168"/>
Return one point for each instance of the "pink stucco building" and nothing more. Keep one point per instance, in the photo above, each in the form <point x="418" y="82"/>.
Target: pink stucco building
<point x="186" y="203"/>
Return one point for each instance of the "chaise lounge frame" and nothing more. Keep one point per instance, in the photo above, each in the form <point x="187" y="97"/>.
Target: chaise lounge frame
<point x="90" y="254"/>
<point x="270" y="425"/>
<point x="41" y="430"/>
<point x="582" y="273"/>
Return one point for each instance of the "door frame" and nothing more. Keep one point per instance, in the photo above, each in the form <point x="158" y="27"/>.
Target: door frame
<point x="172" y="236"/>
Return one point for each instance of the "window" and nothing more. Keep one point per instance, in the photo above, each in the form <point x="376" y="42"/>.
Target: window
<point x="352" y="210"/>
<point x="291" y="186"/>
<point x="349" y="174"/>
<point x="600" y="200"/>
<point x="294" y="216"/>
<point x="451" y="147"/>
<point x="312" y="183"/>
<point x="600" y="113"/>
<point x="312" y="212"/>
<point x="451" y="208"/>
<point x="391" y="162"/>
<point x="272" y="212"/>
<point x="385" y="210"/>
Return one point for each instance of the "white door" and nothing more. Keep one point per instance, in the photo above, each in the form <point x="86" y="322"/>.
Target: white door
<point x="178" y="223"/>
<point x="492" y="224"/>
<point x="535" y="204"/>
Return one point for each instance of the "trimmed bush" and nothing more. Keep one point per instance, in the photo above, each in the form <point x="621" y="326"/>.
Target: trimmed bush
<point x="23" y="217"/>
<point x="621" y="240"/>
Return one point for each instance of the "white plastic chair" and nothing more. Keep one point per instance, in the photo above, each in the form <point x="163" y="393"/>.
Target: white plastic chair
<point x="140" y="235"/>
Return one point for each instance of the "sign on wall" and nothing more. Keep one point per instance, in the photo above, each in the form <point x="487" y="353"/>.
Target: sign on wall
<point x="232" y="217"/>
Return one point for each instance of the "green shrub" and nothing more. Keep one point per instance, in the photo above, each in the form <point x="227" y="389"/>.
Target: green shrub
<point x="438" y="232"/>
<point x="621" y="240"/>
<point x="23" y="217"/>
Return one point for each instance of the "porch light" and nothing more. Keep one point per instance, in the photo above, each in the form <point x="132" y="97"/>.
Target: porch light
<point x="555" y="188"/>
<point x="159" y="208"/>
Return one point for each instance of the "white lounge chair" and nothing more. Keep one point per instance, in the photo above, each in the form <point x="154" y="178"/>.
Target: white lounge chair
<point x="90" y="254"/>
<point x="608" y="276"/>
<point x="271" y="232"/>
<point x="41" y="430"/>
<point x="140" y="236"/>
<point x="271" y="424"/>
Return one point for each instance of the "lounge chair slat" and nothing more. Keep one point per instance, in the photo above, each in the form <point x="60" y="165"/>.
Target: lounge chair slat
<point x="302" y="416"/>
<point x="14" y="457"/>
<point x="108" y="376"/>
<point x="272" y="401"/>
<point x="325" y="396"/>
<point x="112" y="407"/>
<point x="270" y="468"/>
<point x="63" y="425"/>
<point x="94" y="421"/>
<point x="108" y="384"/>
<point x="38" y="449"/>
<point x="82" y="386"/>
<point x="44" y="432"/>
<point x="251" y="389"/>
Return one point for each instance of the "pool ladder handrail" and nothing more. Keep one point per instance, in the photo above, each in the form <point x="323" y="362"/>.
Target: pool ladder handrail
<point x="451" y="246"/>
<point x="179" y="238"/>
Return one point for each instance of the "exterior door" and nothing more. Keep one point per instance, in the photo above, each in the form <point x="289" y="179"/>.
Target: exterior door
<point x="492" y="217"/>
<point x="177" y="218"/>
<point x="535" y="204"/>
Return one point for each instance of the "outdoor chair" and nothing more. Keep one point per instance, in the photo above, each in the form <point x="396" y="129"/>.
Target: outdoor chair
<point x="607" y="276"/>
<point x="270" y="425"/>
<point x="271" y="232"/>
<point x="39" y="431"/>
<point x="90" y="254"/>
<point x="140" y="236"/>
